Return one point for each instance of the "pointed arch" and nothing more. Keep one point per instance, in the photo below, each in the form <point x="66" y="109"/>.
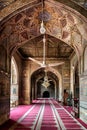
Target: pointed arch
<point x="59" y="77"/>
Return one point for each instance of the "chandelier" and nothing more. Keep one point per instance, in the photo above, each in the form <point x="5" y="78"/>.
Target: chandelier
<point x="46" y="84"/>
<point x="46" y="81"/>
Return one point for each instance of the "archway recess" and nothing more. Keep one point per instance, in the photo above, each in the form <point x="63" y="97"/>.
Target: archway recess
<point x="37" y="89"/>
<point x="46" y="94"/>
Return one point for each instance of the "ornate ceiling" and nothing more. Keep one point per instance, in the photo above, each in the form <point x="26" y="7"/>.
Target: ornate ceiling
<point x="65" y="27"/>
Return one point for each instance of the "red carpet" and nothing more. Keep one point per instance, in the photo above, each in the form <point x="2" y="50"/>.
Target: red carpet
<point x="70" y="109"/>
<point x="43" y="114"/>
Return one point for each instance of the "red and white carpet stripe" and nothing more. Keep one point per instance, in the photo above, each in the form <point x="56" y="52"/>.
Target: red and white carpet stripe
<point x="44" y="114"/>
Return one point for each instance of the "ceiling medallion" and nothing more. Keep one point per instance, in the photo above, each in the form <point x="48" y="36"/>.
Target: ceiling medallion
<point x="44" y="16"/>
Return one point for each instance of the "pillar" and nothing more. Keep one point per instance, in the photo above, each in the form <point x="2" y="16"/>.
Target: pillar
<point x="25" y="90"/>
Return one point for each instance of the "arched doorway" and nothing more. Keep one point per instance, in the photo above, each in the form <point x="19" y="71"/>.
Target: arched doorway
<point x="46" y="94"/>
<point x="37" y="87"/>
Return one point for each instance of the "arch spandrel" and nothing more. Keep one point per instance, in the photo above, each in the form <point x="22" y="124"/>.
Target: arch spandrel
<point x="61" y="24"/>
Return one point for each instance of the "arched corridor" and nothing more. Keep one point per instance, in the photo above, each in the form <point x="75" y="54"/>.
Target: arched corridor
<point x="43" y="51"/>
<point x="42" y="81"/>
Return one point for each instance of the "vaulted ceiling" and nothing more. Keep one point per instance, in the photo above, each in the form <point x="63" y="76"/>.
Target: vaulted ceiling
<point x="65" y="27"/>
